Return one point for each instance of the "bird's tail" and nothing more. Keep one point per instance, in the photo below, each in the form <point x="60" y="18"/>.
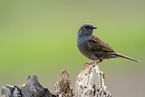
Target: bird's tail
<point x="126" y="57"/>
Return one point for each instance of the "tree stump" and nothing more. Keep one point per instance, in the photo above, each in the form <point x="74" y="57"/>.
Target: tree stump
<point x="31" y="89"/>
<point x="89" y="83"/>
<point x="63" y="85"/>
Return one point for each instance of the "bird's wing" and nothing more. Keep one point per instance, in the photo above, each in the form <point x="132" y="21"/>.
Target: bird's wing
<point x="96" y="44"/>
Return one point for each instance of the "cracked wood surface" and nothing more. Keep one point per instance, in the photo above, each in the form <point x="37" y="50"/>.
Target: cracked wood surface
<point x="89" y="83"/>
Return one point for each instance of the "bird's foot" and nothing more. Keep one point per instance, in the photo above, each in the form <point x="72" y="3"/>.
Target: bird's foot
<point x="96" y="63"/>
<point x="92" y="62"/>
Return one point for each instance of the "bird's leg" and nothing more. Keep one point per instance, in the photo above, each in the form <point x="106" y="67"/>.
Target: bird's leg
<point x="97" y="63"/>
<point x="100" y="60"/>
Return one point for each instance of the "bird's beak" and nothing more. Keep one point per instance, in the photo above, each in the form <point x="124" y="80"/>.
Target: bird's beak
<point x="94" y="27"/>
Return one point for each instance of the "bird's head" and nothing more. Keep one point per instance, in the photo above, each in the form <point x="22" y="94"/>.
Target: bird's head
<point x="86" y="29"/>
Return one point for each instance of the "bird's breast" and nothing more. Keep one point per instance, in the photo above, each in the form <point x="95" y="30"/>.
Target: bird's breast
<point x="83" y="48"/>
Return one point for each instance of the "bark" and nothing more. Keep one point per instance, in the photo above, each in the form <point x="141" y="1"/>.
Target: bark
<point x="89" y="83"/>
<point x="31" y="89"/>
<point x="63" y="85"/>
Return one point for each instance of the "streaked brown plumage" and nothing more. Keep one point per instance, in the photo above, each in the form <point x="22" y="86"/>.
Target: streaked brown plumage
<point x="93" y="47"/>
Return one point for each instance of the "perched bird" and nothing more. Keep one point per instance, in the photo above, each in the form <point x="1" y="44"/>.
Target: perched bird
<point x="92" y="47"/>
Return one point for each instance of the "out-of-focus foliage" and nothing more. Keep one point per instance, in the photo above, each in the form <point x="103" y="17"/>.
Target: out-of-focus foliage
<point x="39" y="37"/>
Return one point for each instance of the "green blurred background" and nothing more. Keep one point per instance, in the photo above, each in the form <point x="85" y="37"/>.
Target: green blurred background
<point x="39" y="37"/>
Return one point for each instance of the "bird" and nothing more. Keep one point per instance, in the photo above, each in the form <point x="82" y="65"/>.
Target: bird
<point x="92" y="47"/>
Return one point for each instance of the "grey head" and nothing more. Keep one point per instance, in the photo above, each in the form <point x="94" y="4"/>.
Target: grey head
<point x="85" y="32"/>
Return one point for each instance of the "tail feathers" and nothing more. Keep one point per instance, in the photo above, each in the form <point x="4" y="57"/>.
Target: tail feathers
<point x="123" y="56"/>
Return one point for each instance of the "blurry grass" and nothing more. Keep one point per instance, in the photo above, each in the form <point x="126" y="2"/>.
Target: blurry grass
<point x="39" y="37"/>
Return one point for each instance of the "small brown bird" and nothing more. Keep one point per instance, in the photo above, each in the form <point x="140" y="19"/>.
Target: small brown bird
<point x="93" y="47"/>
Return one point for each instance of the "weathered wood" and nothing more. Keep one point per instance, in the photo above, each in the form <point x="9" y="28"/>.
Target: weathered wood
<point x="11" y="91"/>
<point x="90" y="82"/>
<point x="31" y="89"/>
<point x="63" y="85"/>
<point x="34" y="89"/>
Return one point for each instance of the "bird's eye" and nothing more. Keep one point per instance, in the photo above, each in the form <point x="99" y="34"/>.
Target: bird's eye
<point x="87" y="27"/>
